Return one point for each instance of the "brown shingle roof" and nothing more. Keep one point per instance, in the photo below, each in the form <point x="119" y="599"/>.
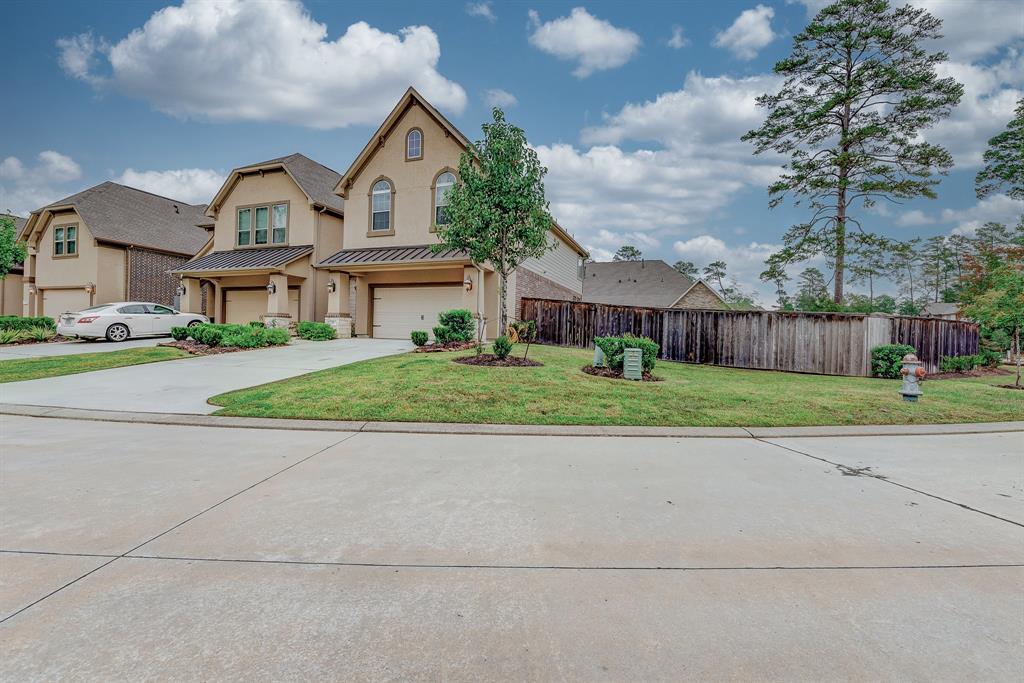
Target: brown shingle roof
<point x="314" y="179"/>
<point x="374" y="255"/>
<point x="653" y="284"/>
<point x="245" y="259"/>
<point x="122" y="214"/>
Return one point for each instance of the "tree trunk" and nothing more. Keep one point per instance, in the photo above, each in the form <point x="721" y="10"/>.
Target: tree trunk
<point x="502" y="291"/>
<point x="837" y="293"/>
<point x="1016" y="352"/>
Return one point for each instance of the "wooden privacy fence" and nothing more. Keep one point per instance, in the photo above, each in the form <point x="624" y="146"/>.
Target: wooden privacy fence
<point x="821" y="343"/>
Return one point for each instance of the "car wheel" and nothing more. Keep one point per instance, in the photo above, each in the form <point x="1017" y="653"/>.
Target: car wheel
<point x="117" y="332"/>
<point x="194" y="323"/>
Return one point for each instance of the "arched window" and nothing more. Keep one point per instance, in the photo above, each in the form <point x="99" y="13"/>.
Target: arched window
<point x="380" y="207"/>
<point x="443" y="183"/>
<point x="414" y="144"/>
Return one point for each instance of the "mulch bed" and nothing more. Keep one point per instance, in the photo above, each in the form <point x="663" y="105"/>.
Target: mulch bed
<point x="492" y="361"/>
<point x="615" y="374"/>
<point x="197" y="349"/>
<point x="451" y="346"/>
<point x="977" y="372"/>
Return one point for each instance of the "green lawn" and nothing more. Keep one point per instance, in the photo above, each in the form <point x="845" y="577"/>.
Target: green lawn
<point x="53" y="366"/>
<point x="431" y="388"/>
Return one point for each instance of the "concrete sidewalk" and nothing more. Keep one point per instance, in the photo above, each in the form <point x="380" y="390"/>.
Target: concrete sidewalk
<point x="183" y="386"/>
<point x="368" y="556"/>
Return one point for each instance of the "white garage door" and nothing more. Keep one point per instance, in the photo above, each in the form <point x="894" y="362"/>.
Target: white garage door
<point x="242" y="306"/>
<point x="57" y="301"/>
<point x="397" y="311"/>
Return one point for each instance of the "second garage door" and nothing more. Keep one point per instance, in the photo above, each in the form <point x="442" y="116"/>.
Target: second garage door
<point x="397" y="311"/>
<point x="241" y="306"/>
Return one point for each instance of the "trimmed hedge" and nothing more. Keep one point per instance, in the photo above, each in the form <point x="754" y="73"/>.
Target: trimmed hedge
<point x="179" y="333"/>
<point x="315" y="331"/>
<point x="960" y="363"/>
<point x="887" y="359"/>
<point x="614" y="350"/>
<point x="15" y="322"/>
<point x="419" y="337"/>
<point x="502" y="347"/>
<point x="454" y="326"/>
<point x="240" y="336"/>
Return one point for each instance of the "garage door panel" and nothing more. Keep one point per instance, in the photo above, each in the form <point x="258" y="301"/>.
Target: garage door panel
<point x="57" y="301"/>
<point x="397" y="311"/>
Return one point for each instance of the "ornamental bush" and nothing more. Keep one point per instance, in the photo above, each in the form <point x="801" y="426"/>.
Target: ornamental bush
<point x="14" y="322"/>
<point x="315" y="331"/>
<point x="887" y="359"/>
<point x="614" y="350"/>
<point x="419" y="337"/>
<point x="459" y="322"/>
<point x="179" y="333"/>
<point x="245" y="337"/>
<point x="256" y="323"/>
<point x="502" y="347"/>
<point x="959" y="363"/>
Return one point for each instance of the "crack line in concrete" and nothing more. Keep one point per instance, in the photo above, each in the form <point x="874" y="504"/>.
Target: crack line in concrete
<point x="176" y="526"/>
<point x="865" y="472"/>
<point x="560" y="567"/>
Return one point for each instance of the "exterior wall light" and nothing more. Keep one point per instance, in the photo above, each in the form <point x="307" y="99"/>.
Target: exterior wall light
<point x="32" y="289"/>
<point x="332" y="286"/>
<point x="271" y="287"/>
<point x="90" y="288"/>
<point x="468" y="282"/>
<point x="181" y="289"/>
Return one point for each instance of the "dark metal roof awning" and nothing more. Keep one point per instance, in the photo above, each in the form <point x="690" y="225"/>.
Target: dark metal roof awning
<point x="245" y="259"/>
<point x="393" y="255"/>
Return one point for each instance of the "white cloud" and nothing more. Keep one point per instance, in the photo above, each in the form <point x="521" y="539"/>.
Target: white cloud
<point x="914" y="218"/>
<point x="997" y="208"/>
<point x="744" y="262"/>
<point x="593" y="43"/>
<point x="253" y="61"/>
<point x="751" y="31"/>
<point x="27" y="187"/>
<point x="496" y="97"/>
<point x="192" y="185"/>
<point x="482" y="10"/>
<point x="678" y="40"/>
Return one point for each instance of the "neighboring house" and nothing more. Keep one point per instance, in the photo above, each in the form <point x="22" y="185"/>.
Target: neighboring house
<point x="940" y="309"/>
<point x="108" y="243"/>
<point x="11" y="285"/>
<point x="271" y="222"/>
<point x="648" y="284"/>
<point x="355" y="249"/>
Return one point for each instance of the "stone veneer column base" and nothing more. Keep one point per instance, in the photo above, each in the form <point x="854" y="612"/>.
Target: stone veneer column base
<point x="282" y="320"/>
<point x="342" y="324"/>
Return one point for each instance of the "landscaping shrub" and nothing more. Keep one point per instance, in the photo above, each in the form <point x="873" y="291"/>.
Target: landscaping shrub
<point x="179" y="333"/>
<point x="38" y="334"/>
<point x="443" y="335"/>
<point x="419" y="337"/>
<point x="959" y="363"/>
<point x="614" y="350"/>
<point x="502" y="347"/>
<point x="278" y="336"/>
<point x="245" y="337"/>
<point x="315" y="331"/>
<point x="886" y="360"/>
<point x="14" y="322"/>
<point x="10" y="336"/>
<point x="212" y="336"/>
<point x="459" y="324"/>
<point x="256" y="323"/>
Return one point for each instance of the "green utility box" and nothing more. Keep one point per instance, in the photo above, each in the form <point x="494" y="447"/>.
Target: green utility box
<point x="632" y="364"/>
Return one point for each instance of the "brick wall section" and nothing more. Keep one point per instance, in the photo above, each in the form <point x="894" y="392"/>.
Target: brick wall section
<point x="531" y="285"/>
<point x="700" y="296"/>
<point x="149" y="280"/>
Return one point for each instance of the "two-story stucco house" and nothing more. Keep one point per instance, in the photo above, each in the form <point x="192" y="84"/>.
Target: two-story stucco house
<point x="295" y="241"/>
<point x="108" y="243"/>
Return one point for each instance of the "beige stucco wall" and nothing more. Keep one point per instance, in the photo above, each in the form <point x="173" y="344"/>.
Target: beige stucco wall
<point x="71" y="271"/>
<point x="11" y="290"/>
<point x="111" y="276"/>
<point x="273" y="187"/>
<point x="413" y="201"/>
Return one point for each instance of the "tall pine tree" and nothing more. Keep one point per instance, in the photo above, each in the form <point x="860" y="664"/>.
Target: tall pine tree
<point x="859" y="89"/>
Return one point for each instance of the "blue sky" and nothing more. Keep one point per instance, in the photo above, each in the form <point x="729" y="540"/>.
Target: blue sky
<point x="636" y="108"/>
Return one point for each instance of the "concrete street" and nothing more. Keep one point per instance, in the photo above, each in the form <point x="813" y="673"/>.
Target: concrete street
<point x="149" y="551"/>
<point x="182" y="386"/>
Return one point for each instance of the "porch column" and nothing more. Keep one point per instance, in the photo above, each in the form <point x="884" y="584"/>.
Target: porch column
<point x="29" y="295"/>
<point x="277" y="314"/>
<point x="338" y="314"/>
<point x="192" y="298"/>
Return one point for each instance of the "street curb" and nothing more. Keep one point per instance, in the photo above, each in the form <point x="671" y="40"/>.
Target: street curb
<point x="503" y="429"/>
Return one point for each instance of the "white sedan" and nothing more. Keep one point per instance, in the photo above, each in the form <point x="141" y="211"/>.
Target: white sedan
<point x="119" y="321"/>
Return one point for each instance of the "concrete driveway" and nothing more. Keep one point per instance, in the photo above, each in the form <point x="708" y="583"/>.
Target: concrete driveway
<point x="20" y="351"/>
<point x="213" y="553"/>
<point x="183" y="386"/>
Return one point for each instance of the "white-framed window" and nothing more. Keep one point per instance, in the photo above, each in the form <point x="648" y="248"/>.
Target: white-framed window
<point x="244" y="227"/>
<point x="262" y="225"/>
<point x="381" y="207"/>
<point x="443" y="183"/>
<point x="65" y="240"/>
<point x="414" y="144"/>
